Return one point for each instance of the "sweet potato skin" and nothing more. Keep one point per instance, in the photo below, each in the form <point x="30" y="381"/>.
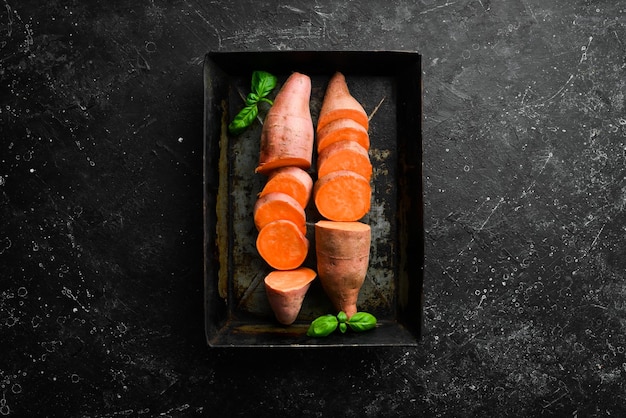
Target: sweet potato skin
<point x="342" y="239"/>
<point x="286" y="300"/>
<point x="287" y="135"/>
<point x="342" y="280"/>
<point x="342" y="261"/>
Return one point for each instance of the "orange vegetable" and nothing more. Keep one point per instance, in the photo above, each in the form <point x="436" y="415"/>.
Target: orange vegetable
<point x="287" y="134"/>
<point x="275" y="206"/>
<point x="344" y="155"/>
<point x="338" y="103"/>
<point x="340" y="130"/>
<point x="293" y="181"/>
<point x="286" y="290"/>
<point x="342" y="250"/>
<point x="282" y="245"/>
<point x="342" y="196"/>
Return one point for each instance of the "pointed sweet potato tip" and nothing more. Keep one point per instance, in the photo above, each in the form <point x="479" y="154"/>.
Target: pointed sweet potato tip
<point x="338" y="103"/>
<point x="286" y="291"/>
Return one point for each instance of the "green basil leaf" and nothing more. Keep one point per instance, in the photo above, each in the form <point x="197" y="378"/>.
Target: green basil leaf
<point x="342" y="317"/>
<point x="263" y="83"/>
<point x="343" y="327"/>
<point x="322" y="326"/>
<point x="362" y="321"/>
<point x="252" y="99"/>
<point x="243" y="119"/>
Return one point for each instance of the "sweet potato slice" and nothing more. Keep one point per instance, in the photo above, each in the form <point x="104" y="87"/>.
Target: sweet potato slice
<point x="342" y="250"/>
<point x="287" y="135"/>
<point x="342" y="196"/>
<point x="344" y="155"/>
<point x="338" y="103"/>
<point x="286" y="290"/>
<point x="293" y="181"/>
<point x="340" y="130"/>
<point x="282" y="245"/>
<point x="276" y="205"/>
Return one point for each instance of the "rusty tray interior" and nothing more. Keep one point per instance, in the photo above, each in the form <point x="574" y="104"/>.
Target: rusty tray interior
<point x="389" y="86"/>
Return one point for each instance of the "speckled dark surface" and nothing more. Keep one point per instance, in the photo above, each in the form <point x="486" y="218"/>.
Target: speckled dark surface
<point x="101" y="196"/>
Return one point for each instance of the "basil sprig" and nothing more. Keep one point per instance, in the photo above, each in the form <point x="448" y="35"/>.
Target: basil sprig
<point x="262" y="85"/>
<point x="326" y="324"/>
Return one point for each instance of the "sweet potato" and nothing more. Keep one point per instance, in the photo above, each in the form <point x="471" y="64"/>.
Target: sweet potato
<point x="286" y="290"/>
<point x="293" y="181"/>
<point x="342" y="196"/>
<point x="282" y="245"/>
<point x="342" y="250"/>
<point x="344" y="155"/>
<point x="340" y="130"/>
<point x="276" y="205"/>
<point x="338" y="103"/>
<point x="287" y="135"/>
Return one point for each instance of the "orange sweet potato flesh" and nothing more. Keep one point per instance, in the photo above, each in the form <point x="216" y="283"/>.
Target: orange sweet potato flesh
<point x="342" y="196"/>
<point x="282" y="245"/>
<point x="342" y="250"/>
<point x="276" y="205"/>
<point x="286" y="290"/>
<point x="338" y="103"/>
<point x="293" y="181"/>
<point x="288" y="134"/>
<point x="340" y="130"/>
<point x="344" y="155"/>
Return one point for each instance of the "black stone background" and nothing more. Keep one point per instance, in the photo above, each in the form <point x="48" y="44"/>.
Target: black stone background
<point x="101" y="229"/>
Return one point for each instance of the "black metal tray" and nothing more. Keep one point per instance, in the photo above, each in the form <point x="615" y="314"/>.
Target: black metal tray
<point x="389" y="85"/>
